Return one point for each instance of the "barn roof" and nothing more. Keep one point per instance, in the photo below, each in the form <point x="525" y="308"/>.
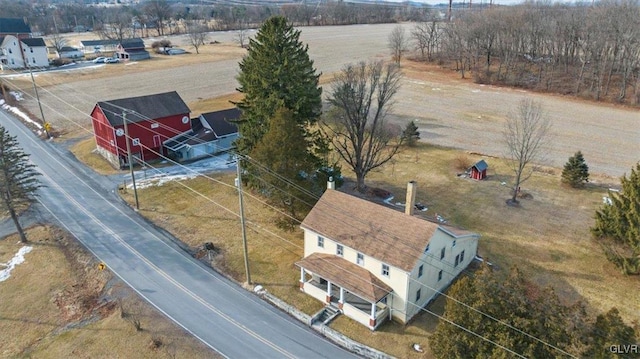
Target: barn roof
<point x="131" y="44"/>
<point x="34" y="42"/>
<point x="481" y="165"/>
<point x="14" y="26"/>
<point x="391" y="236"/>
<point x="86" y="43"/>
<point x="144" y="108"/>
<point x="220" y="121"/>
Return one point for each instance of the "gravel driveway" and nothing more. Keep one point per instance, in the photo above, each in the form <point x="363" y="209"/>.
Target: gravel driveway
<point x="448" y="111"/>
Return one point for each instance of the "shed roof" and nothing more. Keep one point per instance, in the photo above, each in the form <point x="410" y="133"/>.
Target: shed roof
<point x="386" y="234"/>
<point x="220" y="121"/>
<point x="481" y="165"/>
<point x="144" y="108"/>
<point x="14" y="26"/>
<point x="352" y="277"/>
<point x="34" y="42"/>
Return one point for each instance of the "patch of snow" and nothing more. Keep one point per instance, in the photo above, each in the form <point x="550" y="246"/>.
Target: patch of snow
<point x="435" y="89"/>
<point x="388" y="200"/>
<point x="606" y="200"/>
<point x="16" y="111"/>
<point x="17" y="259"/>
<point x="161" y="176"/>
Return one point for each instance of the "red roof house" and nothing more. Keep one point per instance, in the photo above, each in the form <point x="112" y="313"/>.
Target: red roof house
<point x="150" y="121"/>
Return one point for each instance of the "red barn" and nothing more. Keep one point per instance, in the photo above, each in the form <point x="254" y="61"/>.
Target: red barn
<point x="151" y="120"/>
<point x="479" y="170"/>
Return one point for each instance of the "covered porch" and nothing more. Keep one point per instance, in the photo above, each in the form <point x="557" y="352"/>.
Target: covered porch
<point x="354" y="290"/>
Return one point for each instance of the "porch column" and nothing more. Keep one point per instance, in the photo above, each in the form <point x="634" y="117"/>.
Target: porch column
<point x="328" y="292"/>
<point x="372" y="319"/>
<point x="301" y="279"/>
<point x="341" y="301"/>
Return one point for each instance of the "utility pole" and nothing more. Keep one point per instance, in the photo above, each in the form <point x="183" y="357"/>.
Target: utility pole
<point x="126" y="139"/>
<point x="244" y="233"/>
<point x="35" y="88"/>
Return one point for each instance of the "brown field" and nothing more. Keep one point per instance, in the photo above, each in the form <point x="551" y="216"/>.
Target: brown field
<point x="449" y="111"/>
<point x="57" y="304"/>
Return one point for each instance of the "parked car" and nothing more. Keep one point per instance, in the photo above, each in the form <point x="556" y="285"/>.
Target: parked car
<point x="100" y="60"/>
<point x="112" y="60"/>
<point x="175" y="52"/>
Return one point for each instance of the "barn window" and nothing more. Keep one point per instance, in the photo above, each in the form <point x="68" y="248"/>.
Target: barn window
<point x="135" y="142"/>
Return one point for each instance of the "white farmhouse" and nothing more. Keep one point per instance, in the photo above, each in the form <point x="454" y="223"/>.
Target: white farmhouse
<point x="374" y="263"/>
<point x="18" y="53"/>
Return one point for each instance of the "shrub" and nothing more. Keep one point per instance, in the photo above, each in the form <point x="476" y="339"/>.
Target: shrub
<point x="462" y="162"/>
<point x="576" y="171"/>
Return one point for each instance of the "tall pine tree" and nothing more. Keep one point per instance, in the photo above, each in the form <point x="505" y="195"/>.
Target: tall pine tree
<point x="277" y="71"/>
<point x="618" y="224"/>
<point x="18" y="179"/>
<point x="285" y="173"/>
<point x="576" y="171"/>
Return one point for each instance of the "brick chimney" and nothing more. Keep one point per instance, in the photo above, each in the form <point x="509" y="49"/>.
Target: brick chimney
<point x="331" y="184"/>
<point x="411" y="198"/>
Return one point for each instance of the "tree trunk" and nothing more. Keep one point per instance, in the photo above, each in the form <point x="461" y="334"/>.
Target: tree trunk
<point x="360" y="186"/>
<point x="14" y="217"/>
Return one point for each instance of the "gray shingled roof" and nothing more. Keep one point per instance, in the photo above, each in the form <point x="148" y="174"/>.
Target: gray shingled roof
<point x="143" y="108"/>
<point x="220" y="121"/>
<point x="130" y="44"/>
<point x="14" y="26"/>
<point x="33" y="42"/>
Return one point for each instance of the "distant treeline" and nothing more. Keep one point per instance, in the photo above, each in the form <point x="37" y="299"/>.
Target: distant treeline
<point x="590" y="51"/>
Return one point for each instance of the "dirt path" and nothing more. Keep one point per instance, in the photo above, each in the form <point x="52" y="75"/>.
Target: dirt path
<point x="448" y="111"/>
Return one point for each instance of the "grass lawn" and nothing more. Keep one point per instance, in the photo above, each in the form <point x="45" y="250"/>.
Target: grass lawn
<point x="53" y="307"/>
<point x="547" y="237"/>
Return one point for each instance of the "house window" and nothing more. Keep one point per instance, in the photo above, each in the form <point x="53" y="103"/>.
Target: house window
<point x="340" y="250"/>
<point x="426" y="249"/>
<point x="461" y="256"/>
<point x="320" y="242"/>
<point x="360" y="259"/>
<point x="31" y="50"/>
<point x="442" y="251"/>
<point x="385" y="270"/>
<point x="454" y="243"/>
<point x="383" y="300"/>
<point x="420" y="270"/>
<point x="418" y="293"/>
<point x="455" y="264"/>
<point x="10" y="51"/>
<point x="135" y="142"/>
<point x="33" y="59"/>
<point x="440" y="275"/>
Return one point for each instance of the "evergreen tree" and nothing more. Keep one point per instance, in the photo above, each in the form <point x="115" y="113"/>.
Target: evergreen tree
<point x="286" y="178"/>
<point x="410" y="134"/>
<point x="277" y="71"/>
<point x="538" y="315"/>
<point x="576" y="171"/>
<point x="609" y="330"/>
<point x="18" y="179"/>
<point x="618" y="224"/>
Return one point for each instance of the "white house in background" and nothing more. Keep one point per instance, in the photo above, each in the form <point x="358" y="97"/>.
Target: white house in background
<point x="211" y="133"/>
<point x="373" y="262"/>
<point x="34" y="52"/>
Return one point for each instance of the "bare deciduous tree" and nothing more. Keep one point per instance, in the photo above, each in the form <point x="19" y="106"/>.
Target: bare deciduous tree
<point x="197" y="34"/>
<point x="526" y="133"/>
<point x="58" y="41"/>
<point x="427" y="37"/>
<point x="361" y="98"/>
<point x="397" y="43"/>
<point x="243" y="35"/>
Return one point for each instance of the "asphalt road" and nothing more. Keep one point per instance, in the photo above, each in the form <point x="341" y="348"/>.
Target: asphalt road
<point x="229" y="319"/>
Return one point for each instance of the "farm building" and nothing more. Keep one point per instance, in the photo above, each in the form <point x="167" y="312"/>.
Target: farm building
<point x="98" y="46"/>
<point x="14" y="26"/>
<point x="373" y="263"/>
<point x="479" y="170"/>
<point x="150" y="120"/>
<point x="132" y="49"/>
<point x="211" y="133"/>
